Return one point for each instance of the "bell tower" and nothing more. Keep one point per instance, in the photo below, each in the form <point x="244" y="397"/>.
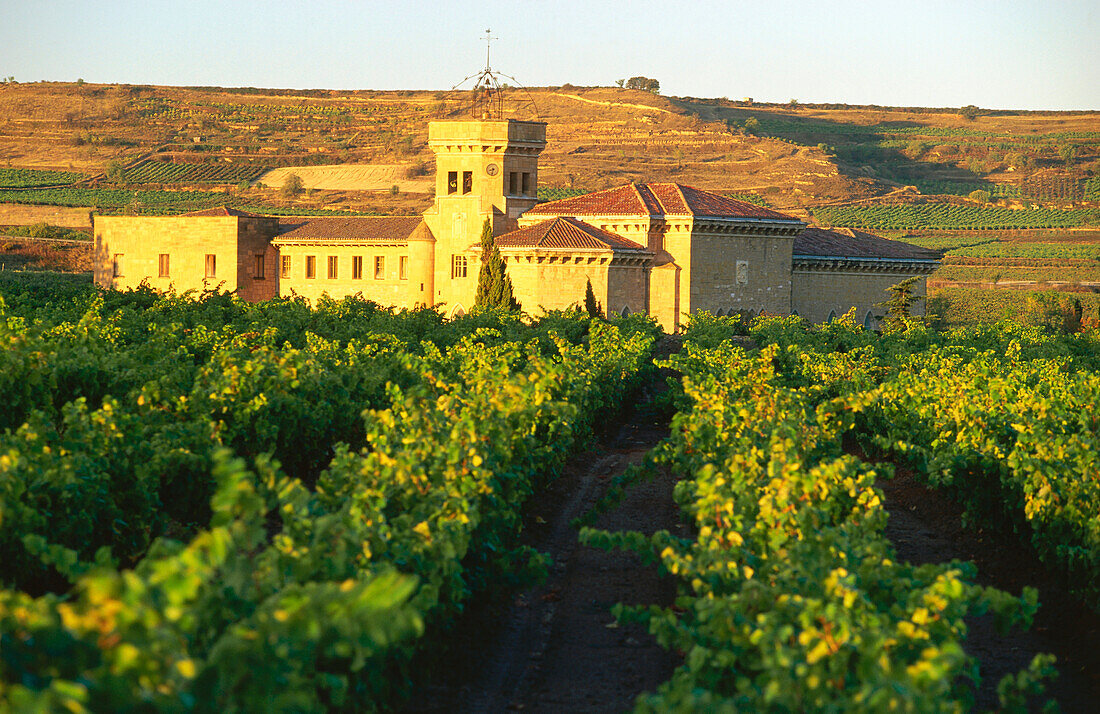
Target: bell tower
<point x="484" y="169"/>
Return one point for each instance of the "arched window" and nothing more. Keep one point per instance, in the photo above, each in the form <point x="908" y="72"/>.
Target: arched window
<point x="720" y="313"/>
<point x="794" y="313"/>
<point x="869" y="321"/>
<point x="832" y="315"/>
<point x="625" y="312"/>
<point x="459" y="311"/>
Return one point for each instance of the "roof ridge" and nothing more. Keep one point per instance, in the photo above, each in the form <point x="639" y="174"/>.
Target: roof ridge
<point x="680" y="193"/>
<point x="641" y="198"/>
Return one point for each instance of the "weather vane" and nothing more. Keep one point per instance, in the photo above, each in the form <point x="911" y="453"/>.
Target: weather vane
<point x="488" y="94"/>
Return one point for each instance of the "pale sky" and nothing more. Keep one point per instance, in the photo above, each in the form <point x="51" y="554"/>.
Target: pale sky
<point x="995" y="54"/>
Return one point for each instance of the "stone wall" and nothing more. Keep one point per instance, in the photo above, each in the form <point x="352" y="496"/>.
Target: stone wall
<point x="389" y="289"/>
<point x="17" y="214"/>
<point x="819" y="295"/>
<point x="740" y="272"/>
<point x="186" y="241"/>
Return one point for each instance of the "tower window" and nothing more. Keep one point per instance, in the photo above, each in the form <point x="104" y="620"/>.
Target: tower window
<point x="356" y="267"/>
<point x="379" y="267"/>
<point x="403" y="268"/>
<point x="513" y="183"/>
<point x="211" y="265"/>
<point x="162" y="265"/>
<point x="333" y="263"/>
<point x="467" y="181"/>
<point x="259" y="263"/>
<point x="311" y="267"/>
<point x="285" y="266"/>
<point x="527" y="187"/>
<point x="458" y="266"/>
<point x="452" y="182"/>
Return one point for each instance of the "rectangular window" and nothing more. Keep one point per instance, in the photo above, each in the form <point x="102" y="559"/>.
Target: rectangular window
<point x="333" y="263"/>
<point x="452" y="182"/>
<point x="311" y="267"/>
<point x="403" y="267"/>
<point x="379" y="267"/>
<point x="467" y="181"/>
<point x="356" y="267"/>
<point x="284" y="266"/>
<point x="211" y="265"/>
<point x="458" y="266"/>
<point x="513" y="183"/>
<point x="528" y="188"/>
<point x="116" y="265"/>
<point x="162" y="265"/>
<point x="259" y="265"/>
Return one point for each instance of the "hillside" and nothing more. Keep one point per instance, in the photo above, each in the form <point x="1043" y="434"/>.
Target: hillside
<point x="598" y="137"/>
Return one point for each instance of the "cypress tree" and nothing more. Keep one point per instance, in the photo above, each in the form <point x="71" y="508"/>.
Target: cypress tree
<point x="494" y="287"/>
<point x="590" y="305"/>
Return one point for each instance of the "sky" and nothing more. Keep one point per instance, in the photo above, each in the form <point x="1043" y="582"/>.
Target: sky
<point x="997" y="55"/>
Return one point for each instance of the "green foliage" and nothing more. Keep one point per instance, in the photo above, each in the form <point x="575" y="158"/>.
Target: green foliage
<point x="46" y="230"/>
<point x="980" y="195"/>
<point x="336" y="479"/>
<point x="152" y="171"/>
<point x="644" y="83"/>
<point x="494" y="287"/>
<point x="790" y="596"/>
<point x="899" y="308"/>
<point x="970" y="112"/>
<point x="552" y="193"/>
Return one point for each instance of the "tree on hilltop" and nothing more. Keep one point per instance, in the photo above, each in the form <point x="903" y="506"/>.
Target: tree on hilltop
<point x="494" y="287"/>
<point x="644" y="83"/>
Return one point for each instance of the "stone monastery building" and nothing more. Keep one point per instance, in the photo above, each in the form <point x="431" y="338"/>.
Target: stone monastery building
<point x="659" y="248"/>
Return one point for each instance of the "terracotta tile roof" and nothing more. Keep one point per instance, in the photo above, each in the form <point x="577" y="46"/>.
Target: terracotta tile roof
<point x="223" y="211"/>
<point x="566" y="234"/>
<point x="380" y="229"/>
<point x="849" y="243"/>
<point x="655" y="199"/>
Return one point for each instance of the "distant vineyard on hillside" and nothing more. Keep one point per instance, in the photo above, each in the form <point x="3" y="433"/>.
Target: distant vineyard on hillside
<point x="26" y="178"/>
<point x="556" y="193"/>
<point x="953" y="217"/>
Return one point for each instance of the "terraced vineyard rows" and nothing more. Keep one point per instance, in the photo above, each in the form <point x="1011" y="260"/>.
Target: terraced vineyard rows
<point x="152" y="171"/>
<point x="25" y="178"/>
<point x="953" y="217"/>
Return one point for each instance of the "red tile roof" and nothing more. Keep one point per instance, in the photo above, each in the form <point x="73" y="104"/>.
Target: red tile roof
<point x="849" y="243"/>
<point x="655" y="199"/>
<point x="380" y="229"/>
<point x="223" y="211"/>
<point x="566" y="234"/>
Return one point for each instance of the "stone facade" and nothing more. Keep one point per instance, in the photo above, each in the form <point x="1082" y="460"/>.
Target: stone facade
<point x="662" y="249"/>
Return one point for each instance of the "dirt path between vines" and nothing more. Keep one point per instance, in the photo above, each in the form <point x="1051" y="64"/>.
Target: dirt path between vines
<point x="925" y="526"/>
<point x="556" y="648"/>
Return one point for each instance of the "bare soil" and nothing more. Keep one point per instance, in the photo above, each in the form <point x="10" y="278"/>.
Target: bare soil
<point x="925" y="526"/>
<point x="556" y="647"/>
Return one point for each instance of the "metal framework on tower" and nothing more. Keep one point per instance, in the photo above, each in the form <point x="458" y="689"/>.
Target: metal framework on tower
<point x="488" y="92"/>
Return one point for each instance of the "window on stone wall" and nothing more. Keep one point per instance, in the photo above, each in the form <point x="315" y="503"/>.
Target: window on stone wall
<point x="258" y="264"/>
<point x="333" y="265"/>
<point x="162" y="265"/>
<point x="528" y="184"/>
<point x="452" y="182"/>
<point x="379" y="267"/>
<point x="467" y="181"/>
<point x="458" y="266"/>
<point x="357" y="267"/>
<point x="403" y="267"/>
<point x="311" y="267"/>
<point x="211" y="265"/>
<point x="284" y="265"/>
<point x="742" y="270"/>
<point x="116" y="265"/>
<point x="513" y="183"/>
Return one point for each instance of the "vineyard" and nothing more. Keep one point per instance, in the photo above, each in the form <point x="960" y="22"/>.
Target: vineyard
<point x="937" y="216"/>
<point x="111" y="201"/>
<point x="790" y="596"/>
<point x="28" y="178"/>
<point x="151" y="171"/>
<point x="223" y="506"/>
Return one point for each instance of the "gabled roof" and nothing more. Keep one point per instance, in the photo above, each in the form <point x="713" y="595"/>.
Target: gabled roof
<point x="343" y="229"/>
<point x="849" y="243"/>
<point x="565" y="234"/>
<point x="656" y="199"/>
<point x="223" y="211"/>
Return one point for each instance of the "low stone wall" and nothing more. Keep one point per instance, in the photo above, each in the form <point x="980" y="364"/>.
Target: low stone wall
<point x="17" y="214"/>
